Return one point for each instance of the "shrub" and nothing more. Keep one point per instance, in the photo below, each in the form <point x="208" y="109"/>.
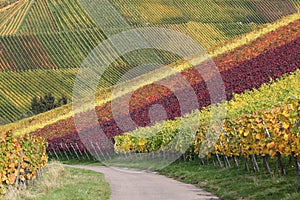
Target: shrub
<point x="46" y="103"/>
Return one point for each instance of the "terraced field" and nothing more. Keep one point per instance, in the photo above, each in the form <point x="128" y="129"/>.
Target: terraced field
<point x="242" y="69"/>
<point x="63" y="77"/>
<point x="54" y="34"/>
<point x="254" y="45"/>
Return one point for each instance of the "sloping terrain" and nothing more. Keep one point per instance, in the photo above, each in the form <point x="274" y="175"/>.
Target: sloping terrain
<point x="45" y="39"/>
<point x="64" y="79"/>
<point x="242" y="69"/>
<point x="36" y="45"/>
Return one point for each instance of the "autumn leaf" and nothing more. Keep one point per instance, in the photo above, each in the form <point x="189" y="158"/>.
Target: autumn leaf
<point x="271" y="145"/>
<point x="258" y="136"/>
<point x="12" y="179"/>
<point x="246" y="133"/>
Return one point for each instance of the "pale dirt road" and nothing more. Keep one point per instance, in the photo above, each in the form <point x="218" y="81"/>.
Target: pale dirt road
<point x="128" y="184"/>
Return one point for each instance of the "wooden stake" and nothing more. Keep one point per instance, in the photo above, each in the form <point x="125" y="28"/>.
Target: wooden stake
<point x="266" y="164"/>
<point x="280" y="165"/>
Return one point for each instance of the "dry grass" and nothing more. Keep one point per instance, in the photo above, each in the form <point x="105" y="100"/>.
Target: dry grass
<point x="64" y="183"/>
<point x="52" y="178"/>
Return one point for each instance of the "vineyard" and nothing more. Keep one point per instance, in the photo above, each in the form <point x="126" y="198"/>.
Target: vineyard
<point x="264" y="98"/>
<point x="239" y="74"/>
<point x="63" y="79"/>
<point x="29" y="26"/>
<point x="54" y="34"/>
<point x="264" y="133"/>
<point x="22" y="159"/>
<point x="254" y="45"/>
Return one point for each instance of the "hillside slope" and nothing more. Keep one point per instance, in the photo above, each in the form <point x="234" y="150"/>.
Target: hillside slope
<point x="51" y="34"/>
<point x="241" y="69"/>
<point x="46" y="39"/>
<point x="19" y="89"/>
<point x="260" y="45"/>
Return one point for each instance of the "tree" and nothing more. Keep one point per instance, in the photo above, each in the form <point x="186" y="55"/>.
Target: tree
<point x="35" y="106"/>
<point x="62" y="101"/>
<point x="42" y="105"/>
<point x="46" y="103"/>
<point x="49" y="100"/>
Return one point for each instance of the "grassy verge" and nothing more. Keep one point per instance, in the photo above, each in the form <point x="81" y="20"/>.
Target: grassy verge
<point x="235" y="183"/>
<point x="230" y="184"/>
<point x="64" y="183"/>
<point x="81" y="162"/>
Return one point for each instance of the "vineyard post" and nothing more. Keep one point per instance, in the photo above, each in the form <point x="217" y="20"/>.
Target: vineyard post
<point x="199" y="156"/>
<point x="24" y="185"/>
<point x="227" y="163"/>
<point x="19" y="166"/>
<point x="255" y="163"/>
<point x="228" y="143"/>
<point x="224" y="156"/>
<point x="270" y="139"/>
<point x="50" y="153"/>
<point x="27" y="182"/>
<point x="235" y="161"/>
<point x="213" y="161"/>
<point x="99" y="149"/>
<point x="266" y="164"/>
<point x="219" y="161"/>
<point x="37" y="174"/>
<point x="252" y="163"/>
<point x="74" y="151"/>
<point x="239" y="142"/>
<point x="86" y="153"/>
<point x="69" y="150"/>
<point x="95" y="154"/>
<point x="78" y="150"/>
<point x="98" y="157"/>
<point x="61" y="154"/>
<point x="278" y="154"/>
<point x="246" y="164"/>
<point x="64" y="151"/>
<point x="279" y="162"/>
<point x="252" y="157"/>
<point x="201" y="160"/>
<point x="148" y="155"/>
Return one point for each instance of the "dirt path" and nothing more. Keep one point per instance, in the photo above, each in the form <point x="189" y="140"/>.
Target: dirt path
<point x="128" y="184"/>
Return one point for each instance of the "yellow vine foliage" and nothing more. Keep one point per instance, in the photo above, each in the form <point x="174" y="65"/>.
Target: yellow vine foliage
<point x="264" y="132"/>
<point x="20" y="156"/>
